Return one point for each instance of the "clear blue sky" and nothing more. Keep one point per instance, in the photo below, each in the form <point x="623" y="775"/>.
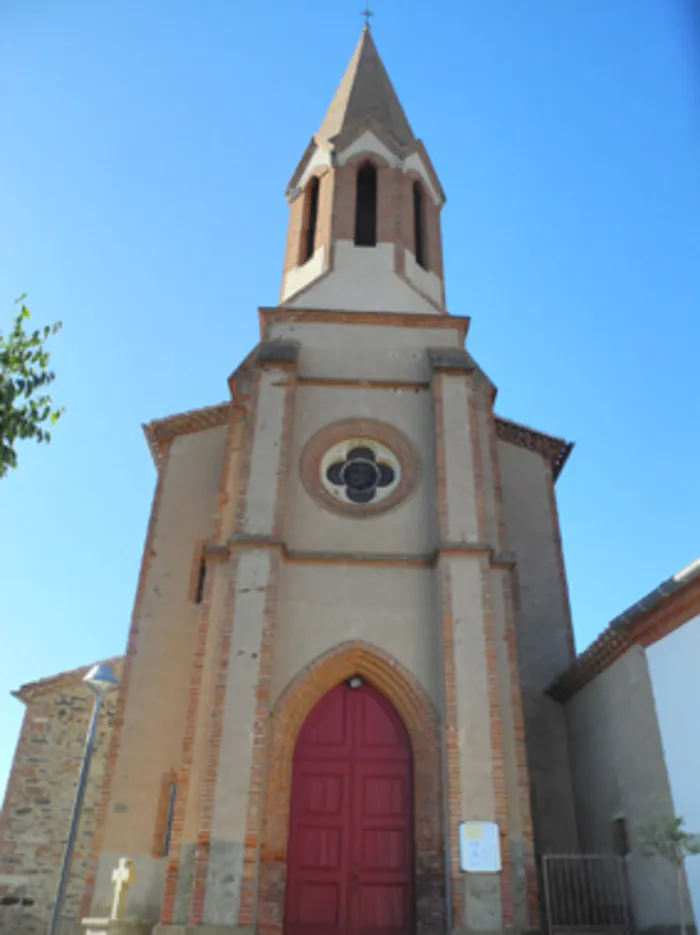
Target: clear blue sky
<point x="145" y="151"/>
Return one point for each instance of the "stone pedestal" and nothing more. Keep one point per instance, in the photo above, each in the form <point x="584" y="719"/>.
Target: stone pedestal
<point x="202" y="930"/>
<point x="115" y="927"/>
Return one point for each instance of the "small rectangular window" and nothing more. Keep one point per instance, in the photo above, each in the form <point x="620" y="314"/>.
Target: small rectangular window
<point x="311" y="220"/>
<point x="419" y="225"/>
<point x="620" y="841"/>
<point x="167" y="829"/>
<point x="202" y="577"/>
<point x="366" y="206"/>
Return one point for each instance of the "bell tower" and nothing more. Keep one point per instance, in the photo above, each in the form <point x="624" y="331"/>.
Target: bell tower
<point x="364" y="205"/>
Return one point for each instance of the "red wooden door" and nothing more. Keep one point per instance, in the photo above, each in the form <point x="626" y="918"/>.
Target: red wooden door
<point x="350" y="845"/>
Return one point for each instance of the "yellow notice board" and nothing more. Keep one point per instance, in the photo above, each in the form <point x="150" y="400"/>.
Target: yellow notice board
<point x="479" y="847"/>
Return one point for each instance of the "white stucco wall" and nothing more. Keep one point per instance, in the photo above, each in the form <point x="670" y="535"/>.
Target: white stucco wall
<point x="423" y="279"/>
<point x="299" y="277"/>
<point x="673" y="667"/>
<point x="363" y="279"/>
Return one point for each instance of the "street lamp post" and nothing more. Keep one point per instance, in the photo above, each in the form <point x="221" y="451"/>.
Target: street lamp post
<point x="101" y="680"/>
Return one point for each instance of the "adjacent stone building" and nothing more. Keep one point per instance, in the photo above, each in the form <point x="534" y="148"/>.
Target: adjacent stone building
<point x="353" y="569"/>
<point x="39" y="799"/>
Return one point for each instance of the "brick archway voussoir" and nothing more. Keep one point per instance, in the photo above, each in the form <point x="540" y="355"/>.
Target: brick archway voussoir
<point x="406" y="694"/>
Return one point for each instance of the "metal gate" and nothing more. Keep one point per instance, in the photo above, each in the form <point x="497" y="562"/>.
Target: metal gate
<point x="585" y="893"/>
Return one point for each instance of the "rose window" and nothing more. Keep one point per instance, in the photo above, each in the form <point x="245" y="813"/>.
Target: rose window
<point x="360" y="471"/>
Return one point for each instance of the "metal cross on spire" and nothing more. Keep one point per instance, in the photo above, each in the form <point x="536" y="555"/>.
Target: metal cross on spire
<point x="368" y="14"/>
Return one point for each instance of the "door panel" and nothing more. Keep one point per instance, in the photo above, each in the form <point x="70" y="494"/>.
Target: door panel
<point x="382" y="844"/>
<point x="350" y="847"/>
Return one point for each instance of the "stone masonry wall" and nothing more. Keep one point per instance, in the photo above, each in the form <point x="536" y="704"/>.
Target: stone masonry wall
<point x="36" y="812"/>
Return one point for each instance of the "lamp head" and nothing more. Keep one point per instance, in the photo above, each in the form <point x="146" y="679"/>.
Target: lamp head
<point x="101" y="679"/>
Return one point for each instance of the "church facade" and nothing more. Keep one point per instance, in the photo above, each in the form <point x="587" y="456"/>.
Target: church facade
<point x="354" y="596"/>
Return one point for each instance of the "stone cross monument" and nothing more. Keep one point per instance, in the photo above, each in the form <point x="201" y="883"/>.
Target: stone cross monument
<point x="122" y="878"/>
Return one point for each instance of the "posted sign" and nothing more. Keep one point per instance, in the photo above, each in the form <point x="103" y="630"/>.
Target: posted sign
<point x="479" y="847"/>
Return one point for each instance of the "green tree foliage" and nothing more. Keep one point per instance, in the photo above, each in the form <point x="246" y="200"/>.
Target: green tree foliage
<point x="25" y="407"/>
<point x="665" y="836"/>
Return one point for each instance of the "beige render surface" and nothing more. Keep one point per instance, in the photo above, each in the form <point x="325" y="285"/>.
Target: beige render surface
<point x="462" y="523"/>
<point x="544" y="640"/>
<point x="364" y="352"/>
<point x="322" y="606"/>
<point x="251" y="577"/>
<point x="474" y="722"/>
<point x="519" y="820"/>
<point x="219" y="577"/>
<point x="252" y="580"/>
<point x="154" y="716"/>
<point x="261" y="493"/>
<point x="253" y="574"/>
<point x="408" y="529"/>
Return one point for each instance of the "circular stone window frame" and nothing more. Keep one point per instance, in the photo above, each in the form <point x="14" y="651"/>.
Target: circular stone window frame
<point x="344" y="430"/>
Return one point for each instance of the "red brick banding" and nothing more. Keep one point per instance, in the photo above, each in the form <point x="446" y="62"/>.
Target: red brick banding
<point x="198" y="896"/>
<point x="496" y="475"/>
<point x="285" y="452"/>
<point x="197" y="559"/>
<point x="421" y="721"/>
<point x="498" y="777"/>
<point x="195" y="687"/>
<point x="281" y="313"/>
<point x="160" y="432"/>
<point x="246" y="455"/>
<point x="295" y="224"/>
<point x="317" y="446"/>
<point x="523" y="775"/>
<point x="477" y="456"/>
<point x="203" y="838"/>
<point x="478" y="402"/>
<point x="554" y="450"/>
<point x="451" y="740"/>
<point x="449" y="678"/>
<point x="410" y="385"/>
<point x="256" y="785"/>
<point x="203" y="842"/>
<point x="440" y="460"/>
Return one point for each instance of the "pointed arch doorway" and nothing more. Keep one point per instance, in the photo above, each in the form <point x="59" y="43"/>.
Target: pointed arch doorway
<point x="350" y="857"/>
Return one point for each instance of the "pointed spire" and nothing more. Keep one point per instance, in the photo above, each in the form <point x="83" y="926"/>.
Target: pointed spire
<point x="366" y="93"/>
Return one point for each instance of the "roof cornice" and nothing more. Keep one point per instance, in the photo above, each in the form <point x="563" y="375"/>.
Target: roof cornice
<point x="553" y="449"/>
<point x="667" y="607"/>
<point x="160" y="431"/>
<point x="272" y="314"/>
